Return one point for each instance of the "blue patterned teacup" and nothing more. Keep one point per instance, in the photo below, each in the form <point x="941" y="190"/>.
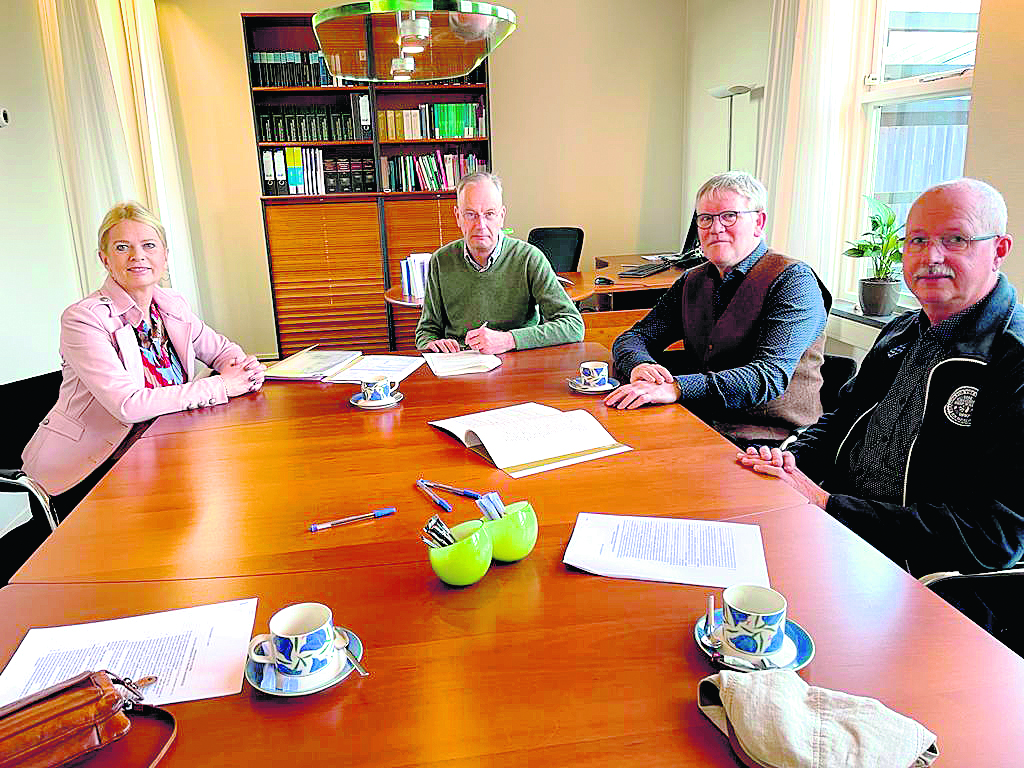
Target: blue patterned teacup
<point x="301" y="642"/>
<point x="753" y="620"/>
<point x="379" y="390"/>
<point x="593" y="374"/>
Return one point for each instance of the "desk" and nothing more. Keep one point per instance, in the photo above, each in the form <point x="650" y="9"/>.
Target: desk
<point x="535" y="665"/>
<point x="583" y="286"/>
<point x="538" y="665"/>
<point x="232" y="490"/>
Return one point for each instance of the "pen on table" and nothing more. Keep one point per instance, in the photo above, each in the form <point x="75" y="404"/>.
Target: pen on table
<point x="565" y="280"/>
<point x="433" y="496"/>
<point x="451" y="489"/>
<point x="376" y="513"/>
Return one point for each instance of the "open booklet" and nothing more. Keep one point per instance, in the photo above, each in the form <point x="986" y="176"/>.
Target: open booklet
<point x="529" y="438"/>
<point x="458" y="363"/>
<point x="339" y="366"/>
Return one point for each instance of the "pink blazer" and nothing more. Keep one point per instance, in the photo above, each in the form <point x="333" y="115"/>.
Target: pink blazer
<point x="104" y="390"/>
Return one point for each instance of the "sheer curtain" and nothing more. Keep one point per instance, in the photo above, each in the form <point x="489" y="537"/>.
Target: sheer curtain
<point x="811" y="129"/>
<point x="114" y="126"/>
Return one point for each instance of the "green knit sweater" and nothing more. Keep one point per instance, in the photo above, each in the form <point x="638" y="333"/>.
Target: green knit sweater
<point x="517" y="293"/>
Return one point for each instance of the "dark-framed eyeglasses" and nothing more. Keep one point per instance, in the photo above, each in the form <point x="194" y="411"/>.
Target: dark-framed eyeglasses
<point x="950" y="243"/>
<point x="728" y="218"/>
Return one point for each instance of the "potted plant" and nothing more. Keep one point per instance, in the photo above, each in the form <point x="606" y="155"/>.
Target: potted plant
<point x="883" y="245"/>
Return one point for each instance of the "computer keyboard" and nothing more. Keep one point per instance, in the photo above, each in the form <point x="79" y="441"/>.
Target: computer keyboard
<point x="646" y="270"/>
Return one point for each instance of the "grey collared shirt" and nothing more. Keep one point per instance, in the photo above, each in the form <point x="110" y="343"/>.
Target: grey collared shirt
<point x="491" y="257"/>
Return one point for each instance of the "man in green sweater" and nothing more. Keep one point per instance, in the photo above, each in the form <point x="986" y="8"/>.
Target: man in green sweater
<point x="491" y="291"/>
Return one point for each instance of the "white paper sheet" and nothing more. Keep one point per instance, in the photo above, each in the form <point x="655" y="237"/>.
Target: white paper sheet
<point x="459" y="363"/>
<point x="369" y="367"/>
<point x="195" y="653"/>
<point x="312" y="364"/>
<point x="702" y="552"/>
<point x="14" y="511"/>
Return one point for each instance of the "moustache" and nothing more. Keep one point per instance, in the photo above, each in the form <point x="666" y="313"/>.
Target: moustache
<point x="934" y="270"/>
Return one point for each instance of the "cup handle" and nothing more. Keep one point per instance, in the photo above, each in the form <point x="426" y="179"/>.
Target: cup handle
<point x="254" y="649"/>
<point x="394" y="386"/>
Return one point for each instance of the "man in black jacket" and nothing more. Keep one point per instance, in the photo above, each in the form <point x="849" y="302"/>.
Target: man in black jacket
<point x="921" y="456"/>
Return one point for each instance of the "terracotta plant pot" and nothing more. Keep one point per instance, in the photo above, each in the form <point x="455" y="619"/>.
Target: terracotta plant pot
<point x="878" y="297"/>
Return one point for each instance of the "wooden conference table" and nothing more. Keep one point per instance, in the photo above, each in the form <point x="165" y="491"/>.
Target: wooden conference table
<point x="536" y="664"/>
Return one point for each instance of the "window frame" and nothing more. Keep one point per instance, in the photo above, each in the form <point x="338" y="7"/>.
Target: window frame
<point x="872" y="93"/>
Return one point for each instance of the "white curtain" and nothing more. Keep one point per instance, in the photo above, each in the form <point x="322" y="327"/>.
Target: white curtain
<point x="93" y="154"/>
<point x="114" y="125"/>
<point x="810" y="122"/>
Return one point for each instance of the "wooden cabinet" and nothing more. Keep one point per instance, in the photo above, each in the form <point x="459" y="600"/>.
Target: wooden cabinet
<point x="335" y="244"/>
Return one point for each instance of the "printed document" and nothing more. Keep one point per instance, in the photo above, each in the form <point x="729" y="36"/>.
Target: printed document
<point x="529" y="438"/>
<point x="369" y="367"/>
<point x="458" y="363"/>
<point x="702" y="552"/>
<point x="195" y="653"/>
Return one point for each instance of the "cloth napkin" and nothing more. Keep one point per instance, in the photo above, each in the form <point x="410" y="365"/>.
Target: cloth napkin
<point x="775" y="719"/>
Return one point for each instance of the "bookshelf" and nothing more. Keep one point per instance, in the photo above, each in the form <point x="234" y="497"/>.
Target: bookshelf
<point x="355" y="177"/>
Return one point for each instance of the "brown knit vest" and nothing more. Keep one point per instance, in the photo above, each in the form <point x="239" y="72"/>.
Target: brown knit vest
<point x="730" y="343"/>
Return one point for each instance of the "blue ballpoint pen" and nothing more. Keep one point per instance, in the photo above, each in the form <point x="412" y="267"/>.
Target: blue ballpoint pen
<point x="375" y="514"/>
<point x="433" y="496"/>
<point x="451" y="489"/>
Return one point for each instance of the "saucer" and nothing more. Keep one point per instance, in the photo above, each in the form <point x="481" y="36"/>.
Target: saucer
<point x="576" y="385"/>
<point x="796" y="652"/>
<point x="357" y="400"/>
<point x="288" y="686"/>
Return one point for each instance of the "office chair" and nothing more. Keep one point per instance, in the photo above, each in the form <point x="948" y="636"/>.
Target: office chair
<point x="836" y="370"/>
<point x="25" y="403"/>
<point x="562" y="246"/>
<point x="989" y="599"/>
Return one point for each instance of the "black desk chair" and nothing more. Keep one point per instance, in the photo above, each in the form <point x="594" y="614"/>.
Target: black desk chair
<point x="25" y="404"/>
<point x="562" y="246"/>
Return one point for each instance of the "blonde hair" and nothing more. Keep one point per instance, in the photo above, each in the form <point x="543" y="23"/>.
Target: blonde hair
<point x="129" y="211"/>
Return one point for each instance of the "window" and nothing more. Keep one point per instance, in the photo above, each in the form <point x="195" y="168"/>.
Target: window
<point x="915" y="106"/>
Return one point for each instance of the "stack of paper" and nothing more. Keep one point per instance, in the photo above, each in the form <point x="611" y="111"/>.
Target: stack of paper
<point x="370" y="367"/>
<point x="311" y="364"/>
<point x="458" y="363"/>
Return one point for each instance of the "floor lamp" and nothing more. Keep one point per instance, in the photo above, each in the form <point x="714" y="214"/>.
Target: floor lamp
<point x="729" y="92"/>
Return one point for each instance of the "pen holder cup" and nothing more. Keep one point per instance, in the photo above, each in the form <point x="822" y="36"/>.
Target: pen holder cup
<point x="514" y="535"/>
<point x="466" y="561"/>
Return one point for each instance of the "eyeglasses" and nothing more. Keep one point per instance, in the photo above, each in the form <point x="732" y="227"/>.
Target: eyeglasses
<point x="728" y="218"/>
<point x="949" y="243"/>
<point x="473" y="216"/>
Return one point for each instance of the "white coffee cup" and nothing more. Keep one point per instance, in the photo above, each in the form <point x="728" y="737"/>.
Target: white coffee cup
<point x="594" y="373"/>
<point x="753" y="620"/>
<point x="302" y="643"/>
<point x="379" y="390"/>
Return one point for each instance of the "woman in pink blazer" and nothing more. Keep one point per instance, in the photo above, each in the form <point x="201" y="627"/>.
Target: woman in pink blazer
<point x="129" y="354"/>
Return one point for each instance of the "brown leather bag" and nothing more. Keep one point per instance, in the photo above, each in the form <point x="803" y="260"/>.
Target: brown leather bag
<point x="69" y="720"/>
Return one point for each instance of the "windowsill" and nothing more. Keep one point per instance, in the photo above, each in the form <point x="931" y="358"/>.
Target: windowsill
<point x="848" y="311"/>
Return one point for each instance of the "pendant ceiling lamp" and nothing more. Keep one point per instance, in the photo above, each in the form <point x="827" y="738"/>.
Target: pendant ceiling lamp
<point x="402" y="40"/>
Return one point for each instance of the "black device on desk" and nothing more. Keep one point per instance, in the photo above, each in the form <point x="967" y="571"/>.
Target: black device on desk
<point x="689" y="256"/>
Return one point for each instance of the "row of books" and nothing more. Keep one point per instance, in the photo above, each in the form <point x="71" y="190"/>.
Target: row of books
<point x="306" y="171"/>
<point x="307" y="69"/>
<point x="414" y="274"/>
<point x="293" y="69"/>
<point x="428" y="173"/>
<point x="317" y="122"/>
<point x="433" y="121"/>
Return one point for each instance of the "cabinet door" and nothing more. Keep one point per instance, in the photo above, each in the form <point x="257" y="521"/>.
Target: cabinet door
<point x="415" y="226"/>
<point x="327" y="276"/>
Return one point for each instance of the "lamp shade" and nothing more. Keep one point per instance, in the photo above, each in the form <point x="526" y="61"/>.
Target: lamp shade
<point x="360" y="40"/>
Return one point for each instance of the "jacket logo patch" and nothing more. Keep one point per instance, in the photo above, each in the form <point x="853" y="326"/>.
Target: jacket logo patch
<point x="960" y="405"/>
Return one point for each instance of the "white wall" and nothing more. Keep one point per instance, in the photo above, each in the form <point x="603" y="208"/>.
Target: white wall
<point x="39" y="277"/>
<point x="995" y="133"/>
<point x="726" y="44"/>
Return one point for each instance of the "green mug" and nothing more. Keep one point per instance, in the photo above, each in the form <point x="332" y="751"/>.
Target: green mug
<point x="514" y="535"/>
<point x="467" y="560"/>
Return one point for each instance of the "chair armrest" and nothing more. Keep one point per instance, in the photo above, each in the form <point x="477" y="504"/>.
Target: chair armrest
<point x="11" y="478"/>
<point x="935" y="578"/>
